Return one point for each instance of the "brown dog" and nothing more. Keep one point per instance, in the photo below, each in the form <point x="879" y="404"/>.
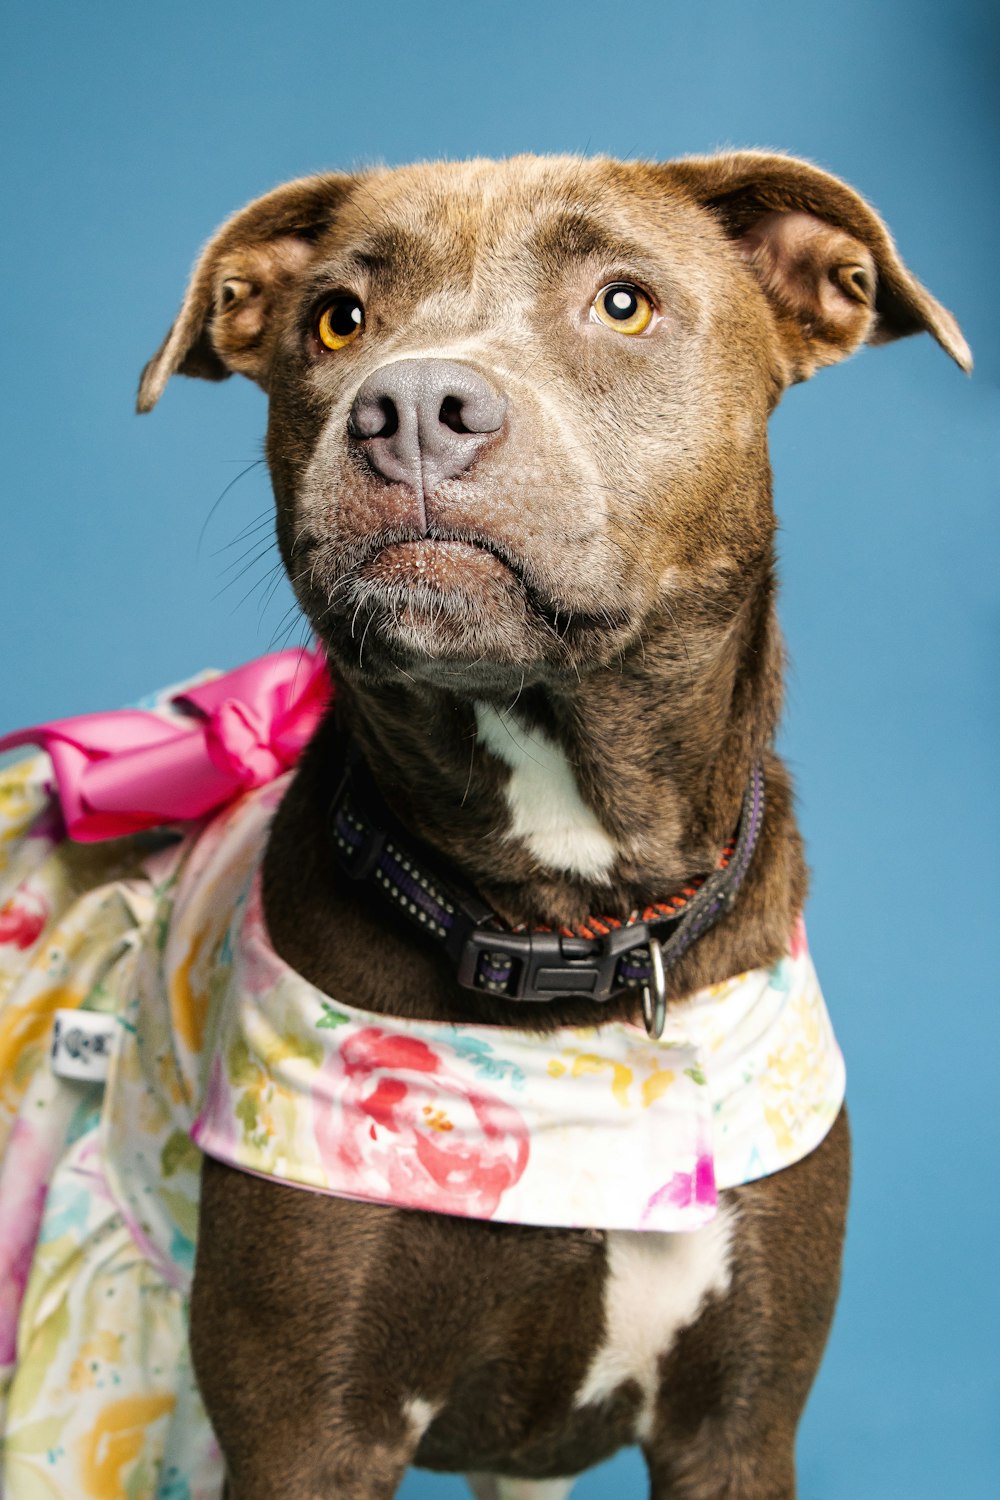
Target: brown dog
<point x="517" y="436"/>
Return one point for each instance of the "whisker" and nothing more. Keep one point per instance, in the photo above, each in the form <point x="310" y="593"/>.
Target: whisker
<point x="261" y="582"/>
<point x="265" y="519"/>
<point x="286" y="624"/>
<point x="518" y="745"/>
<point x="364" y="637"/>
<point x="201" y="535"/>
<point x="255" y="549"/>
<point x="259" y="557"/>
<point x="472" y="761"/>
<point x="511" y="706"/>
<point x="279" y="574"/>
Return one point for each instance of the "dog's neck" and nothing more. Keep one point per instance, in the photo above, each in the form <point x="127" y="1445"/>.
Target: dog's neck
<point x="598" y="794"/>
<point x="645" y="764"/>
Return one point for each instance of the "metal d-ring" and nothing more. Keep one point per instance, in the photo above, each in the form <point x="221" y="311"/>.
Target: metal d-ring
<point x="654" y="993"/>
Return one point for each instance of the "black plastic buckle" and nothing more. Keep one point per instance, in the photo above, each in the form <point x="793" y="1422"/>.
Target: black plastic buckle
<point x="544" y="966"/>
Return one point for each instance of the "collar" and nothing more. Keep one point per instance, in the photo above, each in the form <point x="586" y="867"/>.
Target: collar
<point x="601" y="960"/>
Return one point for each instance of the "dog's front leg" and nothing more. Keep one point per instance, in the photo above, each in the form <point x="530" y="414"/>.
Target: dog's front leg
<point x="719" y="1474"/>
<point x="337" y="1483"/>
<point x="734" y="1384"/>
<point x="315" y="1454"/>
<point x="289" y="1462"/>
<point x="305" y="1365"/>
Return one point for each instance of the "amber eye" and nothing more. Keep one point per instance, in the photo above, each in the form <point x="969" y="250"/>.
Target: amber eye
<point x="622" y="307"/>
<point x="340" y="322"/>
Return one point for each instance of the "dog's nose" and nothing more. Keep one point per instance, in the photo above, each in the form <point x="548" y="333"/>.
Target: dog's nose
<point x="421" y="421"/>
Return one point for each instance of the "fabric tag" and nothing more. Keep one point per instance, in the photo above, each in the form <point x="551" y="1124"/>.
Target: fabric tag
<point x="81" y="1044"/>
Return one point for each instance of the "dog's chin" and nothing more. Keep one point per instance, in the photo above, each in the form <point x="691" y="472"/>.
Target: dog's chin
<point x="454" y="613"/>
<point x="445" y="611"/>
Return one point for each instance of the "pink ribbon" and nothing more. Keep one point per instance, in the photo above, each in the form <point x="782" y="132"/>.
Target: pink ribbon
<point x="127" y="770"/>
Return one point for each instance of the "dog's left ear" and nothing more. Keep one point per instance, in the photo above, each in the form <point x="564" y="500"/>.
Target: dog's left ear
<point x="823" y="258"/>
<point x="226" y="319"/>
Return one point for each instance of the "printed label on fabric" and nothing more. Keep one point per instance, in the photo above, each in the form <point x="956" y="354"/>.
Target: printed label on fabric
<point x="82" y="1042"/>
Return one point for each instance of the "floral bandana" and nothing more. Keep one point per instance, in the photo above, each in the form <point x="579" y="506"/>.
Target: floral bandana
<point x="219" y="1045"/>
<point x="599" y="1128"/>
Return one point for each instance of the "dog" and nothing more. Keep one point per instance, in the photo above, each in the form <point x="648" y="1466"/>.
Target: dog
<point x="517" y="438"/>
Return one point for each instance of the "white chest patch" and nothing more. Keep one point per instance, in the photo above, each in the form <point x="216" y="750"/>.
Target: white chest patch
<point x="496" y="1487"/>
<point x="418" y="1415"/>
<point x="657" y="1284"/>
<point x="546" y="809"/>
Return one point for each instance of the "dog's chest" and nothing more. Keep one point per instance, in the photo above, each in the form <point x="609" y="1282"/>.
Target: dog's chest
<point x="657" y="1285"/>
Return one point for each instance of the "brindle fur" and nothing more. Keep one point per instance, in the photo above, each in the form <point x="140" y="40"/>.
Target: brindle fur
<point x="622" y="601"/>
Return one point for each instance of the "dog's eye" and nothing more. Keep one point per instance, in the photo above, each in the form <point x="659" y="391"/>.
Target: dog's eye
<point x="340" y="322"/>
<point x="622" y="307"/>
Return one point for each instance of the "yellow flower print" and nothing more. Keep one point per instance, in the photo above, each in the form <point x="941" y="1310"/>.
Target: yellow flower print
<point x="26" y="1028"/>
<point x="653" y="1087"/>
<point x="21" y="796"/>
<point x="104" y="1347"/>
<point x="621" y="1079"/>
<point x="188" y="1006"/>
<point x="790" y="1080"/>
<point x="117" y="1441"/>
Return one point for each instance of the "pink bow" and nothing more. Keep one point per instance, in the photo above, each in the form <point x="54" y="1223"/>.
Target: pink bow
<point x="127" y="770"/>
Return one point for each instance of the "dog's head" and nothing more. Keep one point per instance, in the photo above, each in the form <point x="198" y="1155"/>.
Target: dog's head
<point x="517" y="407"/>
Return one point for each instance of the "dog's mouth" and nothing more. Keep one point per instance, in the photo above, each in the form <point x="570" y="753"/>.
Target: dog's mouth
<point x="454" y="571"/>
<point x="439" y="563"/>
<point x="439" y="601"/>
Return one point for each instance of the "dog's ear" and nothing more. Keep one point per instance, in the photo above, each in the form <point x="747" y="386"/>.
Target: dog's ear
<point x="823" y="257"/>
<point x="225" y="319"/>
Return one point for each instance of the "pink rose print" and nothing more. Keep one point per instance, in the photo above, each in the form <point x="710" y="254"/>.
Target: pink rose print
<point x="24" y="1181"/>
<point x="23" y="918"/>
<point x="408" y="1131"/>
<point x="686" y="1190"/>
<point x="797" y="944"/>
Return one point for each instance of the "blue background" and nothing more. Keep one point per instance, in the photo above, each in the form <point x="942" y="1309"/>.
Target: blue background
<point x="132" y="130"/>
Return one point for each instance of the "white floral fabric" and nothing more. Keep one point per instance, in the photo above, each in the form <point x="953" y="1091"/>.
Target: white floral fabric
<point x="223" y="1048"/>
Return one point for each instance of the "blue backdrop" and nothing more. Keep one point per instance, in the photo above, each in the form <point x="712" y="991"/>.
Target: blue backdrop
<point x="131" y="130"/>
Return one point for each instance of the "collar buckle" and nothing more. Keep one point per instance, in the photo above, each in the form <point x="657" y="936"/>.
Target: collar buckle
<point x="546" y="966"/>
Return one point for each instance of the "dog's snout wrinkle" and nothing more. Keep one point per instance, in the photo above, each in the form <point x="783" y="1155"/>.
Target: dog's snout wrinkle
<point x="419" y="422"/>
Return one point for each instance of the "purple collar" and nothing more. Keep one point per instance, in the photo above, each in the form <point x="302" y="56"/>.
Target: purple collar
<point x="374" y="849"/>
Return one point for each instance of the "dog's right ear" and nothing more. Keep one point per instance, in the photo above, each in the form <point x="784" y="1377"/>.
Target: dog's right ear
<point x="225" y="321"/>
<point x="821" y="255"/>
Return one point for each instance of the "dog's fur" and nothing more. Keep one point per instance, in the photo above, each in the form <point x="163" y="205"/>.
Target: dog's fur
<point x="598" y="584"/>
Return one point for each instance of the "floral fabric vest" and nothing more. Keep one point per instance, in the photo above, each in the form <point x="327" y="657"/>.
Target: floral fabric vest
<point x="220" y="1047"/>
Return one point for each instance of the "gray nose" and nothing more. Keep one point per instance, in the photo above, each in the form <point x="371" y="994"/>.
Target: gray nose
<point x="421" y="421"/>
